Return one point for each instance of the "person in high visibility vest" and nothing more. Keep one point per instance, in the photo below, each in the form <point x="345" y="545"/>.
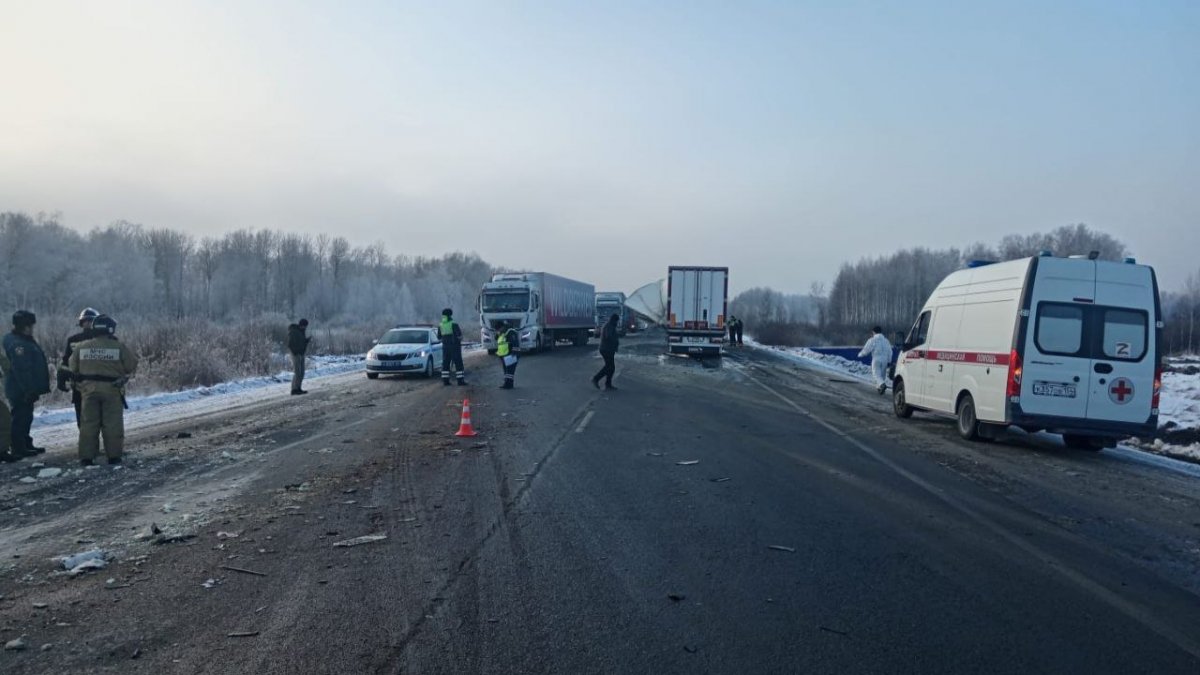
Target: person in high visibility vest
<point x="508" y="358"/>
<point x="451" y="336"/>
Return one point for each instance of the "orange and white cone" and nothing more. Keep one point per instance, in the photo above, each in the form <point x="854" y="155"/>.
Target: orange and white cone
<point x="464" y="427"/>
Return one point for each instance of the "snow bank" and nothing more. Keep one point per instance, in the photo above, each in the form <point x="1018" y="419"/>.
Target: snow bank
<point x="852" y="369"/>
<point x="319" y="366"/>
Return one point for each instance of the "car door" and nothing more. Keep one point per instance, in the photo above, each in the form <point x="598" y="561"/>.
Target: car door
<point x="941" y="357"/>
<point x="913" y="360"/>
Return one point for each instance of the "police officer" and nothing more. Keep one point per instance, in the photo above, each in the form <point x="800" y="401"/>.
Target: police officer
<point x="64" y="371"/>
<point x="452" y="359"/>
<point x="508" y="357"/>
<point x="101" y="366"/>
<point x="5" y="416"/>
<point x="28" y="380"/>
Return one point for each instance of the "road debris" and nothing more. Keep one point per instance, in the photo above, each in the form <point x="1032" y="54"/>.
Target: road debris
<point x="687" y="462"/>
<point x="676" y="597"/>
<point x="49" y="472"/>
<point x="720" y="480"/>
<point x="183" y="434"/>
<point x="79" y="563"/>
<point x="786" y="549"/>
<point x="834" y="631"/>
<point x="248" y="633"/>
<point x="173" y="538"/>
<point x="209" y="583"/>
<point x="40" y="605"/>
<point x="655" y="454"/>
<point x="228" y="535"/>
<point x="365" y="539"/>
<point x="28" y="479"/>
<point x="243" y="571"/>
<point x="690" y="649"/>
<point x="15" y="645"/>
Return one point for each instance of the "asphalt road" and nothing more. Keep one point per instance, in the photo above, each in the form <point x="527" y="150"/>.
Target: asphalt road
<point x="753" y="517"/>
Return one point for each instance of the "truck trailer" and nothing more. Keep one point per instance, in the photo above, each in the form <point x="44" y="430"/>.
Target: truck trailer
<point x="543" y="307"/>
<point x="697" y="300"/>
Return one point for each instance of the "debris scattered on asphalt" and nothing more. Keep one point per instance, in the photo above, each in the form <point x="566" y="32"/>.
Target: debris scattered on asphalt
<point x="655" y="454"/>
<point x="479" y="446"/>
<point x="167" y="508"/>
<point x="228" y="535"/>
<point x="677" y="597"/>
<point x="243" y="571"/>
<point x="49" y="472"/>
<point x="365" y="539"/>
<point x="173" y="538"/>
<point x="688" y="462"/>
<point x="690" y="649"/>
<point x="248" y="633"/>
<point x="786" y="549"/>
<point x="79" y="563"/>
<point x="833" y="630"/>
<point x="720" y="480"/>
<point x="28" y="479"/>
<point x="209" y="583"/>
<point x="47" y="647"/>
<point x="40" y="605"/>
<point x="349" y="491"/>
<point x="183" y="434"/>
<point x="15" y="645"/>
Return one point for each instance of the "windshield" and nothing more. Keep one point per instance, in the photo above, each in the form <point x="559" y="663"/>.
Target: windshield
<point x="396" y="337"/>
<point x="510" y="301"/>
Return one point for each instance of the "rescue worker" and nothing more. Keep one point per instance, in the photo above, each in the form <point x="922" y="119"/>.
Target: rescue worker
<point x="101" y="367"/>
<point x="5" y="416"/>
<point x="25" y="382"/>
<point x="731" y="326"/>
<point x="610" y="340"/>
<point x="297" y="344"/>
<point x="64" y="370"/>
<point x="738" y="327"/>
<point x="880" y="351"/>
<point x="452" y="358"/>
<point x="508" y="357"/>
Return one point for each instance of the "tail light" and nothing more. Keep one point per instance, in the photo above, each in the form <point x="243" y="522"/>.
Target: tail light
<point x="720" y="321"/>
<point x="1014" y="375"/>
<point x="672" y="319"/>
<point x="1158" y="371"/>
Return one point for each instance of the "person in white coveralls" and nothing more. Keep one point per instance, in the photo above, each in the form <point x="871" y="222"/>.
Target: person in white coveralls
<point x="880" y="351"/>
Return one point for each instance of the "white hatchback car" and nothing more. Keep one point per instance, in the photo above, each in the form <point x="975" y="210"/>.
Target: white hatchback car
<point x="405" y="349"/>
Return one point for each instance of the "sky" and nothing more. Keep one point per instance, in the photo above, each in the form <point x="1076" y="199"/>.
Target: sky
<point x="605" y="141"/>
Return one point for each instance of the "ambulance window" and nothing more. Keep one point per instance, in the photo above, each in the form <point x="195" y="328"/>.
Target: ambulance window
<point x="919" y="332"/>
<point x="1124" y="334"/>
<point x="1059" y="329"/>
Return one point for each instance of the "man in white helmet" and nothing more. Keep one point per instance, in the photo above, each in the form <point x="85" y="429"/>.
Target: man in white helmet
<point x="64" y="370"/>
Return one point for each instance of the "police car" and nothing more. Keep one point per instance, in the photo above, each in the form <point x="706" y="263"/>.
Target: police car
<point x="405" y="349"/>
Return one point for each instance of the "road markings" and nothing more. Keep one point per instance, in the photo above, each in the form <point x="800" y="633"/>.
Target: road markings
<point x="583" y="424"/>
<point x="1130" y="609"/>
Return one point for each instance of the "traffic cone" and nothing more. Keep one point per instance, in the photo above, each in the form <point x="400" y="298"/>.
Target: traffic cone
<point x="464" y="427"/>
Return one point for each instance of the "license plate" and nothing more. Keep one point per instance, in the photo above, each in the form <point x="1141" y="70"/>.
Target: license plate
<point x="1061" y="389"/>
<point x="696" y="340"/>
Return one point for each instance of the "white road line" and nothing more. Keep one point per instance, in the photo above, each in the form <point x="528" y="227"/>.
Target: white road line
<point x="1130" y="609"/>
<point x="583" y="424"/>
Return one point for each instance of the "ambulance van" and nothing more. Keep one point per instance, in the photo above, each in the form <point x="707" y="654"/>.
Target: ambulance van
<point x="1066" y="345"/>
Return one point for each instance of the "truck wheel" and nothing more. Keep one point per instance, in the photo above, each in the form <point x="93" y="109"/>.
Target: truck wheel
<point x="968" y="423"/>
<point x="899" y="405"/>
<point x="1077" y="442"/>
<point x="372" y="376"/>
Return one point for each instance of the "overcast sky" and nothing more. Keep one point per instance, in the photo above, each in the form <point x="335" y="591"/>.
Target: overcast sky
<point x="607" y="140"/>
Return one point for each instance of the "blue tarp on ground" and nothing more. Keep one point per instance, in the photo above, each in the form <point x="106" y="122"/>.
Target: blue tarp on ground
<point x="849" y="353"/>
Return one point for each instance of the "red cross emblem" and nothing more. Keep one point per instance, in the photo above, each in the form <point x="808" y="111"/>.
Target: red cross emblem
<point x="1121" y="391"/>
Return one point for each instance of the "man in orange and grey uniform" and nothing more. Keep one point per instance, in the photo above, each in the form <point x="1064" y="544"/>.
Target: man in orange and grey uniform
<point x="102" y="366"/>
<point x="64" y="370"/>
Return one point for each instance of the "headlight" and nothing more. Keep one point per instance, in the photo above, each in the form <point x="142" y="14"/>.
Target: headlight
<point x="371" y="354"/>
<point x="421" y="354"/>
<point x="527" y="333"/>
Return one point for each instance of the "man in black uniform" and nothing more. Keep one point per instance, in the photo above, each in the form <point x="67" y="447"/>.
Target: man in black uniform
<point x="64" y="369"/>
<point x="451" y="336"/>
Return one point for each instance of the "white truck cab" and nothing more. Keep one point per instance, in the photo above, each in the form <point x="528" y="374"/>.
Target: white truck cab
<point x="1066" y="345"/>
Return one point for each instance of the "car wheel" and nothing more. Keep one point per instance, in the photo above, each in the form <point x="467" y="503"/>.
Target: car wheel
<point x="968" y="423"/>
<point x="899" y="405"/>
<point x="429" y="368"/>
<point x="372" y="376"/>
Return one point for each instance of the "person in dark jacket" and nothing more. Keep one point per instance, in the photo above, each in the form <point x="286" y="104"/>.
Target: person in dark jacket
<point x="64" y="369"/>
<point x="5" y="415"/>
<point x="731" y="326"/>
<point x="452" y="359"/>
<point x="297" y="344"/>
<point x="610" y="340"/>
<point x="738" y="328"/>
<point x="28" y="381"/>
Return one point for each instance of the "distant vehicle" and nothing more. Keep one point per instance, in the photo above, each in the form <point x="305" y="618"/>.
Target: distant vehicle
<point x="696" y="309"/>
<point x="544" y="308"/>
<point x="1066" y="345"/>
<point x="607" y="304"/>
<point x="405" y="349"/>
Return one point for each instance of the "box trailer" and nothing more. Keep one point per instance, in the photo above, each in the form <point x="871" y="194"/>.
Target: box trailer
<point x="697" y="304"/>
<point x="543" y="307"/>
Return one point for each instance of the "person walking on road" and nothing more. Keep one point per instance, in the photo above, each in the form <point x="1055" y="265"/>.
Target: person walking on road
<point x="508" y="357"/>
<point x="5" y="416"/>
<point x="452" y="357"/>
<point x="880" y="351"/>
<point x="610" y="341"/>
<point x="102" y="366"/>
<point x="64" y="370"/>
<point x="738" y="328"/>
<point x="28" y="380"/>
<point x="297" y="344"/>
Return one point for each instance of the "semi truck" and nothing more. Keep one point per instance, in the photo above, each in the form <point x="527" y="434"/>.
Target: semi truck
<point x="696" y="309"/>
<point x="544" y="308"/>
<point x="609" y="303"/>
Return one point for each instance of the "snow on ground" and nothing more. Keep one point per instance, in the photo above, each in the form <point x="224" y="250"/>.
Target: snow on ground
<point x="1179" y="407"/>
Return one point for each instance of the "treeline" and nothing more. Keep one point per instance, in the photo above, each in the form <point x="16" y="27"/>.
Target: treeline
<point x="129" y="269"/>
<point x="204" y="310"/>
